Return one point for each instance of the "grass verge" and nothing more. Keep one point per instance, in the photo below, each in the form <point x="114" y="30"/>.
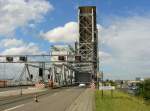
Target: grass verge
<point x="119" y="102"/>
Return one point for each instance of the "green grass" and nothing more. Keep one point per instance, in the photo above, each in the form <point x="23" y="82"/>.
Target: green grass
<point x="119" y="102"/>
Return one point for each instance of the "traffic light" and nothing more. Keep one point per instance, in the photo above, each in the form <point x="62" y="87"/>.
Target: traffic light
<point x="9" y="59"/>
<point x="41" y="72"/>
<point x="78" y="58"/>
<point x="23" y="58"/>
<point x="61" y="58"/>
<point x="48" y="76"/>
<point x="31" y="76"/>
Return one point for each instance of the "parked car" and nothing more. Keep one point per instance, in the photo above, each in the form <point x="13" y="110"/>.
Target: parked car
<point x="82" y="85"/>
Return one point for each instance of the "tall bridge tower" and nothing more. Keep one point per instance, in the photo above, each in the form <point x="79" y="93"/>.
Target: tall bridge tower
<point x="88" y="40"/>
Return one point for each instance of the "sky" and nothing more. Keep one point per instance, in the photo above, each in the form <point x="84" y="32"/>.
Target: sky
<point x="32" y="26"/>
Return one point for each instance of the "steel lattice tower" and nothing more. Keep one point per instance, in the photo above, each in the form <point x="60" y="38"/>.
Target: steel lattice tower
<point x="88" y="38"/>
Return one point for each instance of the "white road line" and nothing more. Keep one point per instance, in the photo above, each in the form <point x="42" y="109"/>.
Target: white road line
<point x="14" y="107"/>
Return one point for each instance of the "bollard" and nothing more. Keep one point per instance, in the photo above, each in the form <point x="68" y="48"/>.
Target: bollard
<point x="35" y="98"/>
<point x="21" y="91"/>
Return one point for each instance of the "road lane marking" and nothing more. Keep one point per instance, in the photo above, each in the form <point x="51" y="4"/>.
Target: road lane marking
<point x="14" y="107"/>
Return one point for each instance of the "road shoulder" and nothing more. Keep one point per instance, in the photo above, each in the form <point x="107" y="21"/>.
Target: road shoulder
<point x="85" y="102"/>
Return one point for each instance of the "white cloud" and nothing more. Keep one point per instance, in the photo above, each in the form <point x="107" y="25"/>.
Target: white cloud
<point x="30" y="48"/>
<point x="105" y="57"/>
<point x="18" y="13"/>
<point x="17" y="46"/>
<point x="128" y="42"/>
<point x="11" y="42"/>
<point x="66" y="33"/>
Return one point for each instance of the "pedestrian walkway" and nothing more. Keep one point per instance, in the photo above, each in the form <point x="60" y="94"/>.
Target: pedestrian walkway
<point x="19" y="91"/>
<point x="85" y="102"/>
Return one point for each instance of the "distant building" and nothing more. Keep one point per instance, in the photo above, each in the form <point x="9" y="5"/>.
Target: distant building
<point x="3" y="83"/>
<point x="139" y="79"/>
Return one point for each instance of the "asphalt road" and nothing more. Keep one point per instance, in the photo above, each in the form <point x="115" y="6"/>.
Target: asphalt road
<point x="51" y="100"/>
<point x="12" y="101"/>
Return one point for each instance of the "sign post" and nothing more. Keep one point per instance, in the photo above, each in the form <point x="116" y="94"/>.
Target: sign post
<point x="111" y="88"/>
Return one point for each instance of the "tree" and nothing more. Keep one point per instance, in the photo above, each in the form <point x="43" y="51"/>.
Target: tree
<point x="146" y="89"/>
